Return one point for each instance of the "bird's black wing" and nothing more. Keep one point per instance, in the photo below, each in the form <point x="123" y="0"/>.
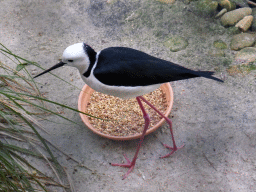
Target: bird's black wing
<point x="120" y="66"/>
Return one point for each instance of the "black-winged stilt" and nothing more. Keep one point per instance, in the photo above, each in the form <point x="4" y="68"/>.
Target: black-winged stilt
<point x="126" y="73"/>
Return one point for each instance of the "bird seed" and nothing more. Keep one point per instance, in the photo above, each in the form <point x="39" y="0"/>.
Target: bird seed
<point x="119" y="117"/>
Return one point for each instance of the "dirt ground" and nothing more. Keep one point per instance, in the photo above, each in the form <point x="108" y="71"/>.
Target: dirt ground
<point x="215" y="121"/>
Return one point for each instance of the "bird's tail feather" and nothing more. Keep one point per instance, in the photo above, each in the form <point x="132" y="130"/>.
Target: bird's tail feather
<point x="208" y="74"/>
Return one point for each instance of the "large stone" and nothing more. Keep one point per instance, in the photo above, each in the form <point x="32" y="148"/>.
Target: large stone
<point x="247" y="54"/>
<point x="242" y="40"/>
<point x="232" y="17"/>
<point x="227" y="4"/>
<point x="245" y="23"/>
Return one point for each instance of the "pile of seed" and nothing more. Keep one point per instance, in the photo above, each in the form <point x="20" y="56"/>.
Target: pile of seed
<point x="124" y="117"/>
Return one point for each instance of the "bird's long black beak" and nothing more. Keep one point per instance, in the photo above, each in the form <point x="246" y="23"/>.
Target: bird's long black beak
<point x="60" y="64"/>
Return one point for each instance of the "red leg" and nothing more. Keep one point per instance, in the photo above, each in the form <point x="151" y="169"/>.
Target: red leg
<point x="131" y="164"/>
<point x="174" y="148"/>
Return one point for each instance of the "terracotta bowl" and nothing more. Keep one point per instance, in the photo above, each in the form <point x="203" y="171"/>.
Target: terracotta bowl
<point x="84" y="99"/>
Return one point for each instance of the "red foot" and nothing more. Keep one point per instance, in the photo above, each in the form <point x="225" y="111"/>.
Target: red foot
<point x="172" y="148"/>
<point x="129" y="164"/>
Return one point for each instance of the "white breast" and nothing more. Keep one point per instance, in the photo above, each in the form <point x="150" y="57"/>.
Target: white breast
<point x="118" y="91"/>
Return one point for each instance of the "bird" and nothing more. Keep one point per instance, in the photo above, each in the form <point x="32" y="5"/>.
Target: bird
<point x="127" y="73"/>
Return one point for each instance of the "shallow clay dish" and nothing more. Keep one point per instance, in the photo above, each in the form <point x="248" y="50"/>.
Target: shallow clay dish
<point x="84" y="99"/>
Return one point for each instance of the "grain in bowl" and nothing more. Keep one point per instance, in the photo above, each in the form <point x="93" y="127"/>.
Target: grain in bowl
<point x="123" y="126"/>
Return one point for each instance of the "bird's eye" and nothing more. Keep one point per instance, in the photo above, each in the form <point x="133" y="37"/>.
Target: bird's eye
<point x="70" y="60"/>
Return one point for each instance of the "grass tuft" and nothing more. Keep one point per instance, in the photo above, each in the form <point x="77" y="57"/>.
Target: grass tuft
<point x="21" y="105"/>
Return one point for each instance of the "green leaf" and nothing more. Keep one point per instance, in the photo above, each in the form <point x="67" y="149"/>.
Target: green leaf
<point x="15" y="118"/>
<point x="20" y="149"/>
<point x="21" y="66"/>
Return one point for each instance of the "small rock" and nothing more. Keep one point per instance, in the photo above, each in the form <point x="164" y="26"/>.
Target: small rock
<point x="222" y="12"/>
<point x="245" y="23"/>
<point x="176" y="43"/>
<point x="232" y="17"/>
<point x="229" y="5"/>
<point x="247" y="54"/>
<point x="242" y="40"/>
<point x="220" y="44"/>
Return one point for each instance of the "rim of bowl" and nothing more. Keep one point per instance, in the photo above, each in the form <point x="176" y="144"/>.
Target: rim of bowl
<point x="84" y="98"/>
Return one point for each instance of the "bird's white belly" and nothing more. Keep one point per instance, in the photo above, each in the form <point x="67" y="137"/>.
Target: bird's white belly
<point x="119" y="91"/>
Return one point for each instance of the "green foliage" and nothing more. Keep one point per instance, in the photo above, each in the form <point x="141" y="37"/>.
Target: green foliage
<point x="21" y="104"/>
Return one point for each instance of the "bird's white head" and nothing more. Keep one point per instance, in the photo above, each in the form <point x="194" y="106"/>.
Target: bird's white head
<point x="76" y="55"/>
